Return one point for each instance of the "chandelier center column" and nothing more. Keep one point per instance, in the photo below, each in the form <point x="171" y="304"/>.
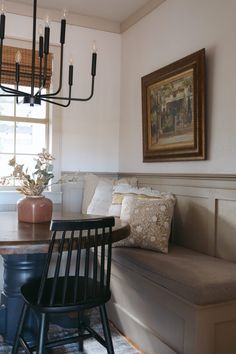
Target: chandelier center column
<point x="33" y="47"/>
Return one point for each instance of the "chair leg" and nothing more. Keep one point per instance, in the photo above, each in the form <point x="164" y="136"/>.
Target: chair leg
<point x="81" y="330"/>
<point x="42" y="332"/>
<point x="106" y="329"/>
<point x="19" y="328"/>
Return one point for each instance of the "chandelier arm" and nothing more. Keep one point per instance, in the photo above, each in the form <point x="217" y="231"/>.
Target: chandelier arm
<point x="61" y="73"/>
<point x="17" y="85"/>
<point x="41" y="43"/>
<point x="7" y="89"/>
<point x="45" y="70"/>
<point x="60" y="78"/>
<point x="40" y="75"/>
<point x="56" y="103"/>
<point x="13" y="91"/>
<point x="42" y="82"/>
<point x="60" y="104"/>
<point x="10" y="95"/>
<point x="73" y="98"/>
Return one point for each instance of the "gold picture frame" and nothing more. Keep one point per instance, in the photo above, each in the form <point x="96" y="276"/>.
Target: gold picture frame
<point x="173" y="111"/>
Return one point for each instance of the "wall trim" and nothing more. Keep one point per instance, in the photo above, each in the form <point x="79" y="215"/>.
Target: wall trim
<point x="75" y="176"/>
<point x="76" y="19"/>
<point x="207" y="176"/>
<point x="210" y="180"/>
<point x="225" y="181"/>
<point x="138" y="15"/>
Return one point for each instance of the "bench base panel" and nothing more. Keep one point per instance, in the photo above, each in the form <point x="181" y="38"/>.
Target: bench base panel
<point x="159" y="322"/>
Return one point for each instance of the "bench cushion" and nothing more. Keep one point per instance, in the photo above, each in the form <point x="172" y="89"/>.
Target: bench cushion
<point x="196" y="277"/>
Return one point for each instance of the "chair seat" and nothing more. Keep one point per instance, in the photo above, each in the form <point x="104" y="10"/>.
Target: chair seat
<point x="30" y="293"/>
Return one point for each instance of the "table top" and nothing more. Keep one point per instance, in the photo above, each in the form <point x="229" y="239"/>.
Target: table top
<point x="23" y="238"/>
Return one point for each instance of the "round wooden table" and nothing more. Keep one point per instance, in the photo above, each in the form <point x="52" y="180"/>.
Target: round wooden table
<point x="23" y="247"/>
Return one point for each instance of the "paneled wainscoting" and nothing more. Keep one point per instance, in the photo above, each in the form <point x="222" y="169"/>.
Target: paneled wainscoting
<point x="205" y="209"/>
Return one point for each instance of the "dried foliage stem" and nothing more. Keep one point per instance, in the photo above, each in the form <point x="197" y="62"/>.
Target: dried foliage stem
<point x="34" y="185"/>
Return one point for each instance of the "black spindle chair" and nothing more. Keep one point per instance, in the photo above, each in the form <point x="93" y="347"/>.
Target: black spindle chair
<point x="87" y="287"/>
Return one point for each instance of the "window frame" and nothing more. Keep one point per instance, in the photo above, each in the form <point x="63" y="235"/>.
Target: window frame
<point x="8" y="194"/>
<point x="16" y="119"/>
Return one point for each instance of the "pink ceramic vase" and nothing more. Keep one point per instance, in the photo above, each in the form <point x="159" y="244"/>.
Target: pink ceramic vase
<point x="34" y="209"/>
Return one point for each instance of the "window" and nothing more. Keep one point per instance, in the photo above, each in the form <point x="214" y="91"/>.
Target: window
<point x="23" y="132"/>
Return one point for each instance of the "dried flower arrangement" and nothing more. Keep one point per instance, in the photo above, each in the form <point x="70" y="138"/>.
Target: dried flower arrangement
<point x="34" y="185"/>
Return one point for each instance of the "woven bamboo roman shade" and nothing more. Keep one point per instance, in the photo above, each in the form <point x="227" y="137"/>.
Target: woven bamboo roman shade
<point x="9" y="67"/>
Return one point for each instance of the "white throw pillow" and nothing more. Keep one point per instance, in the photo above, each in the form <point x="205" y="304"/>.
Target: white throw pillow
<point x="91" y="181"/>
<point x="90" y="184"/>
<point x="102" y="198"/>
<point x="150" y="222"/>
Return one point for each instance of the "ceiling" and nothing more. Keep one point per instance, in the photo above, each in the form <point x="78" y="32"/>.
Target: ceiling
<point x="113" y="10"/>
<point x="119" y="13"/>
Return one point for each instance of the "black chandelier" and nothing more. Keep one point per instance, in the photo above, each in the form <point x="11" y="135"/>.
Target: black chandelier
<point x="33" y="98"/>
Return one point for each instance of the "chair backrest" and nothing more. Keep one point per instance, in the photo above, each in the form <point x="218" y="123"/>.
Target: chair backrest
<point x="89" y="241"/>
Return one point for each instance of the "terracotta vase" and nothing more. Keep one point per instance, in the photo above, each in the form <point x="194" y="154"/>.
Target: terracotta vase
<point x="34" y="209"/>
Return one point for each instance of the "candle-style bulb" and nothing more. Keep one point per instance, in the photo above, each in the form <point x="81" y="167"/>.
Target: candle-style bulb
<point x="94" y="48"/>
<point x="46" y="37"/>
<point x="94" y="59"/>
<point x="63" y="27"/>
<point x="47" y="21"/>
<point x="3" y="8"/>
<point x="64" y="14"/>
<point x="18" y="57"/>
<point x="40" y="30"/>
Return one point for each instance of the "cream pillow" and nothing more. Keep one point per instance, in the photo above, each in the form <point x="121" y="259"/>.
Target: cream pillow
<point x="150" y="222"/>
<point x="102" y="198"/>
<point x="131" y="181"/>
<point x="90" y="184"/>
<point x="91" y="181"/>
<point x="122" y="190"/>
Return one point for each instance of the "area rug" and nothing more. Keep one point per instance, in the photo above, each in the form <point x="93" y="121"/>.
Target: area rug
<point x="91" y="346"/>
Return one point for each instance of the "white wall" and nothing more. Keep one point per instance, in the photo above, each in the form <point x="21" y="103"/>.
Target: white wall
<point x="175" y="29"/>
<point x="172" y="31"/>
<point x="90" y="131"/>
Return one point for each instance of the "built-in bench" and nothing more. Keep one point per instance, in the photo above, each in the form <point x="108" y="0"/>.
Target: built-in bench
<point x="185" y="301"/>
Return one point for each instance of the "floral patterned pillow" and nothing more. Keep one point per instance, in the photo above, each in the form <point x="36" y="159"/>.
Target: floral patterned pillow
<point x="150" y="222"/>
<point x="122" y="190"/>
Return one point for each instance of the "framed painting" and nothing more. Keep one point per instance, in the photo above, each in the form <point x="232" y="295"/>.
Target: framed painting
<point x="173" y="111"/>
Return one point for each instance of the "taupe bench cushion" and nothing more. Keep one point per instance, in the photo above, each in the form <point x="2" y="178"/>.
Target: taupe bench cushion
<point x="196" y="277"/>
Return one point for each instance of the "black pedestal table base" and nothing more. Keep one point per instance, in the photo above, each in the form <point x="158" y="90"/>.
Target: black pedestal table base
<point x="17" y="270"/>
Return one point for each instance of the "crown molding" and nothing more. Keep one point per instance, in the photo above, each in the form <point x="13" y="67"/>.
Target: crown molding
<point x="138" y="15"/>
<point x="76" y="19"/>
<point x="72" y="18"/>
